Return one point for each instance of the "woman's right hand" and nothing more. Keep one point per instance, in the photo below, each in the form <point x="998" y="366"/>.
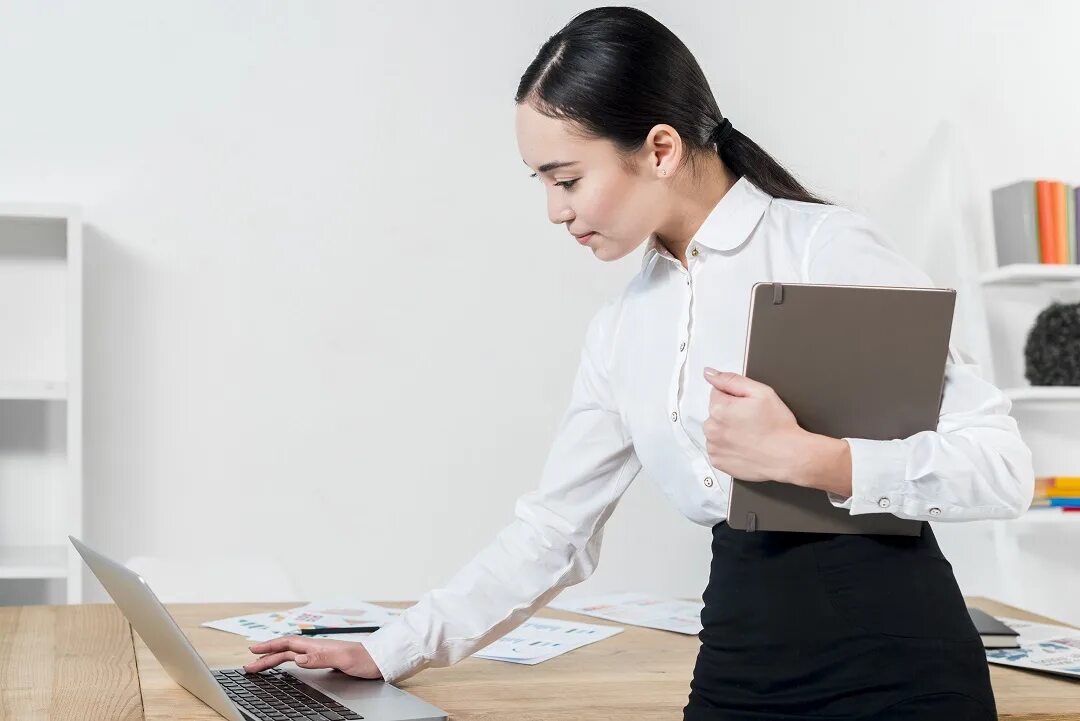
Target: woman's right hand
<point x="351" y="658"/>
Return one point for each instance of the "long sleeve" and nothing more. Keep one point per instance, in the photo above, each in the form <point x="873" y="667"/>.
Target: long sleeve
<point x="975" y="464"/>
<point x="552" y="542"/>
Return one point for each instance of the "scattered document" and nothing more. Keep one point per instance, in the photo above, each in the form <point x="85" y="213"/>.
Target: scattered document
<point x="335" y="613"/>
<point x="540" y="639"/>
<point x="1043" y="647"/>
<point x="639" y="609"/>
<point x="536" y="640"/>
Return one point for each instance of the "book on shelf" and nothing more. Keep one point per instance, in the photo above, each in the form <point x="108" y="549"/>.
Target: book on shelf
<point x="1057" y="492"/>
<point x="1035" y="222"/>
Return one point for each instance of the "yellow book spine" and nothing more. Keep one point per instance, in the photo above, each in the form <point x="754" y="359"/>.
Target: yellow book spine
<point x="1055" y="492"/>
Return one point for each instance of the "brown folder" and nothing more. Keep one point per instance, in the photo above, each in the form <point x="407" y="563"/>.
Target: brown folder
<point x="849" y="361"/>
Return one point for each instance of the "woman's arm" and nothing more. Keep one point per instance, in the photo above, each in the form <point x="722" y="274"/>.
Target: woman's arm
<point x="975" y="464"/>
<point x="553" y="541"/>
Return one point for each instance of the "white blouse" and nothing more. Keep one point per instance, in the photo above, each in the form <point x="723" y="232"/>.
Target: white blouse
<point x="639" y="399"/>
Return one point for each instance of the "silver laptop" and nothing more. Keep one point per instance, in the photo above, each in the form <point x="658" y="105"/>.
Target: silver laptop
<point x="285" y="692"/>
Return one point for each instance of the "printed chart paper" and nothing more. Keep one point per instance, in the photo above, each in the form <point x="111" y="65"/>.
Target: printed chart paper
<point x="639" y="609"/>
<point x="540" y="639"/>
<point x="536" y="640"/>
<point x="337" y="613"/>
<point x="1043" y="647"/>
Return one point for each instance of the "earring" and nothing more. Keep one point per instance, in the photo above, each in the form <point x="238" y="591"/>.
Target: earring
<point x="664" y="172"/>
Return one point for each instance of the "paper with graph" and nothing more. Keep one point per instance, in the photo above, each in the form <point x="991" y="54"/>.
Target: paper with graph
<point x="536" y="640"/>
<point x="1043" y="647"/>
<point x="540" y="639"/>
<point x="332" y="613"/>
<point x="639" y="609"/>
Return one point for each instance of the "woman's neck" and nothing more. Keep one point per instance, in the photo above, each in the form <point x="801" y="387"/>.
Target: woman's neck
<point x="692" y="206"/>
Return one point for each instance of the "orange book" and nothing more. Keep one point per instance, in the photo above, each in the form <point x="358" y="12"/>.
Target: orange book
<point x="1047" y="236"/>
<point x="1061" y="221"/>
<point x="1070" y="482"/>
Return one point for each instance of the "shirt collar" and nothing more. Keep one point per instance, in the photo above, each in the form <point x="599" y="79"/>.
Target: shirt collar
<point x="727" y="225"/>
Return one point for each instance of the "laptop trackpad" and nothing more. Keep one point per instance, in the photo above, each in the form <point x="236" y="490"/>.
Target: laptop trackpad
<point x="345" y="686"/>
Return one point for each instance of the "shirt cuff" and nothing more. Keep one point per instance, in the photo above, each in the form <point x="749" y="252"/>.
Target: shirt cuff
<point x="878" y="476"/>
<point x="394" y="651"/>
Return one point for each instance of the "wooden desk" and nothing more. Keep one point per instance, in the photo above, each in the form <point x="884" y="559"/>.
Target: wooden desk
<point x="84" y="662"/>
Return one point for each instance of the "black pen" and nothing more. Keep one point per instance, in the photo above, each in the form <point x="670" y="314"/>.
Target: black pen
<point x="344" y="629"/>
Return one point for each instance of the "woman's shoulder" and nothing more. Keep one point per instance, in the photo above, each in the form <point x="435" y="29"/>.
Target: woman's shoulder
<point x="816" y="214"/>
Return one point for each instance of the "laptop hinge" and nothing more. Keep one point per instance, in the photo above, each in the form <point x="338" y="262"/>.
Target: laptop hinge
<point x="751" y="521"/>
<point x="777" y="293"/>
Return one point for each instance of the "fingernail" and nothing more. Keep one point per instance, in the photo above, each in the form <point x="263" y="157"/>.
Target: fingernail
<point x="301" y="659"/>
<point x="710" y="371"/>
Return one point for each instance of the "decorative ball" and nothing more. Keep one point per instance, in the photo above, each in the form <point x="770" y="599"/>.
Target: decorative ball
<point x="1052" y="350"/>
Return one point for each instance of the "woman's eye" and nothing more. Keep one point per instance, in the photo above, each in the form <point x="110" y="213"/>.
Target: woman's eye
<point x="567" y="183"/>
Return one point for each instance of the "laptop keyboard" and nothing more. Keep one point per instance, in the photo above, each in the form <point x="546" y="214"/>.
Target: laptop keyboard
<point x="276" y="695"/>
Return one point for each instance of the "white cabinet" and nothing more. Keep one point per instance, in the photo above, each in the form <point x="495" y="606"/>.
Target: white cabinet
<point x="41" y="406"/>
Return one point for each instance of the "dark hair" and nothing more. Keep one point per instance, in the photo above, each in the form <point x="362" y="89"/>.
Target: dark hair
<point x="615" y="72"/>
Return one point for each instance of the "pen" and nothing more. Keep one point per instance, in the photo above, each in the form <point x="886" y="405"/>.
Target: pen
<point x="329" y="629"/>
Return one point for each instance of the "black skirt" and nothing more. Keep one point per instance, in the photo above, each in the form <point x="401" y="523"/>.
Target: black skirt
<point x="800" y="626"/>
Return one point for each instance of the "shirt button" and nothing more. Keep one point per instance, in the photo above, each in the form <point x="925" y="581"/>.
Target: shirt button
<point x="883" y="502"/>
<point x="708" y="481"/>
<point x="674" y="416"/>
<point x="693" y="252"/>
<point x="682" y="345"/>
<point x="935" y="511"/>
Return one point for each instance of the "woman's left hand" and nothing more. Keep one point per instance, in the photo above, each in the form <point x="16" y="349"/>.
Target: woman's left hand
<point x="750" y="433"/>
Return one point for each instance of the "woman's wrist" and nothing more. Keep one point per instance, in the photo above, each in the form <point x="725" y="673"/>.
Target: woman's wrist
<point x="821" y="462"/>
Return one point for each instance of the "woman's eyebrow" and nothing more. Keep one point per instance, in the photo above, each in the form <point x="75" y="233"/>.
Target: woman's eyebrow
<point x="554" y="165"/>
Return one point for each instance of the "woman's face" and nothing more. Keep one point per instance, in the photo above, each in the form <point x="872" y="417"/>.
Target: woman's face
<point x="595" y="192"/>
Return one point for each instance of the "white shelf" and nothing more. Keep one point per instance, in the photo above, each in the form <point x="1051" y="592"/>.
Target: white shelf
<point x="33" y="562"/>
<point x="41" y="359"/>
<point x="1047" y="515"/>
<point x="1063" y="394"/>
<point x="33" y="390"/>
<point x="1032" y="274"/>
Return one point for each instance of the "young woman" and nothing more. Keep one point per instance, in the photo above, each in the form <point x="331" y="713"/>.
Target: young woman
<point x="620" y="125"/>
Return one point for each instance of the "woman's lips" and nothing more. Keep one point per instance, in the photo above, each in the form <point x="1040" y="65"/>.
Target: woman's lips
<point x="584" y="239"/>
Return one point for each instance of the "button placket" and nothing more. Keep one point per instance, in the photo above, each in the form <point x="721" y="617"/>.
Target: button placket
<point x="677" y="375"/>
<point x="684" y="438"/>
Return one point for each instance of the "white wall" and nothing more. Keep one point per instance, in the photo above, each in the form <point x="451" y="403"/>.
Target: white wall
<point x="317" y="272"/>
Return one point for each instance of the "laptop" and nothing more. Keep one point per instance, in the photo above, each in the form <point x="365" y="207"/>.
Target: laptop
<point x="854" y="361"/>
<point x="284" y="692"/>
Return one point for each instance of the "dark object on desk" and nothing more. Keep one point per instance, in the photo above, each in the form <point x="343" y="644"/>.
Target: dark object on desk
<point x="1052" y="350"/>
<point x="994" y="633"/>
<point x="334" y="629"/>
<point x="849" y="361"/>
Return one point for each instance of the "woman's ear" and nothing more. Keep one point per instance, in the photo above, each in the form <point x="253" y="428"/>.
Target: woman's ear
<point x="663" y="147"/>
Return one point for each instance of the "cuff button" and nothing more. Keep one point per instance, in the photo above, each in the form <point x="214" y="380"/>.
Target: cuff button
<point x="883" y="502"/>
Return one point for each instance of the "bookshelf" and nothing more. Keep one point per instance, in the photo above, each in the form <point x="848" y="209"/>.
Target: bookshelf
<point x="41" y="263"/>
<point x="1049" y="419"/>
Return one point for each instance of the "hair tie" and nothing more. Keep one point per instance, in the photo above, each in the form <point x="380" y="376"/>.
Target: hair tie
<point x="721" y="132"/>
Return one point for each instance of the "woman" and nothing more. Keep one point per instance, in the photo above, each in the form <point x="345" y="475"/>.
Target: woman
<point x="619" y="123"/>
